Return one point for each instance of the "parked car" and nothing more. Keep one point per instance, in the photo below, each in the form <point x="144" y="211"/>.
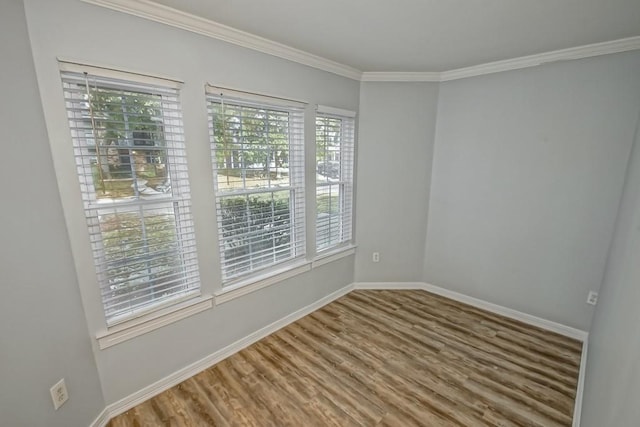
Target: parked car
<point x="329" y="168"/>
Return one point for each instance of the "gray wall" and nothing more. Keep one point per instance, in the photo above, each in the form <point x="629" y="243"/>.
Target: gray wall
<point x="76" y="30"/>
<point x="43" y="332"/>
<point x="612" y="389"/>
<point x="518" y="210"/>
<point x="395" y="151"/>
<point x="528" y="171"/>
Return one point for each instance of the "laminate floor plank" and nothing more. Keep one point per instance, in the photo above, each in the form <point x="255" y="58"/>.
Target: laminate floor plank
<point x="382" y="358"/>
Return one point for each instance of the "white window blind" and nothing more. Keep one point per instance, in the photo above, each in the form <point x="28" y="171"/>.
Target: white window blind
<point x="335" y="134"/>
<point x="130" y="156"/>
<point x="258" y="160"/>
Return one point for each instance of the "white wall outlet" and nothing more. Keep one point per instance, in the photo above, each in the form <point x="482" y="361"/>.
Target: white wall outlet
<point x="375" y="257"/>
<point x="59" y="394"/>
<point x="592" y="298"/>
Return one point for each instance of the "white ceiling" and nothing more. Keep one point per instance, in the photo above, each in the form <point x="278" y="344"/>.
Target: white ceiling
<point x="424" y="35"/>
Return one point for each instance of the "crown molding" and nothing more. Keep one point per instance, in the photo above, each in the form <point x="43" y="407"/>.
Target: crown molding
<point x="376" y="76"/>
<point x="586" y="51"/>
<point x="150" y="10"/>
<point x="166" y="15"/>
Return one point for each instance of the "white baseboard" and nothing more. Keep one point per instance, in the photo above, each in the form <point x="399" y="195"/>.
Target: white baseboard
<point x="529" y="319"/>
<point x="485" y="305"/>
<point x="177" y="377"/>
<point x="388" y="285"/>
<point x="577" y="408"/>
<point x="101" y="420"/>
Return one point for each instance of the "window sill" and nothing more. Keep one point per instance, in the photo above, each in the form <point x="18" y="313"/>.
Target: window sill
<point x="157" y="319"/>
<point x="333" y="254"/>
<point x="152" y="321"/>
<point x="255" y="283"/>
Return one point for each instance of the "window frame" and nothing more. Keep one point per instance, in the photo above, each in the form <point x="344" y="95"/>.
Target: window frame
<point x="177" y="201"/>
<point x="270" y="271"/>
<point x="345" y="183"/>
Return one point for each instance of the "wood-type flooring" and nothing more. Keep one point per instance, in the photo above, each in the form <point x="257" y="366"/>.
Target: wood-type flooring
<point x="382" y="358"/>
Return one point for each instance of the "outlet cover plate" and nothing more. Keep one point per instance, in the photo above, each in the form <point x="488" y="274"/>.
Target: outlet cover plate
<point x="59" y="394"/>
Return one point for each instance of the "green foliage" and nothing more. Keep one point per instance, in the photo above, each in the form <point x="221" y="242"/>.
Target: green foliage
<point x="253" y="228"/>
<point x="328" y="136"/>
<point x="126" y="124"/>
<point x="246" y="136"/>
<point x="97" y="182"/>
<point x="120" y="113"/>
<point x="140" y="252"/>
<point x="327" y="204"/>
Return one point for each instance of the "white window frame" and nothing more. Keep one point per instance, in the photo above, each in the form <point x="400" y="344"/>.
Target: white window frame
<point x="295" y="262"/>
<point x="345" y="159"/>
<point x="174" y="305"/>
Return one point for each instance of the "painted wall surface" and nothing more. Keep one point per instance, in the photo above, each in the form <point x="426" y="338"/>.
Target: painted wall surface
<point x="612" y="387"/>
<point x="519" y="209"/>
<point x="43" y="332"/>
<point x="528" y="172"/>
<point x="76" y="30"/>
<point x="395" y="151"/>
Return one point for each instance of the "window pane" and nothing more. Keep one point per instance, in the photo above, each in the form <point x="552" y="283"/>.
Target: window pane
<point x="256" y="231"/>
<point x="142" y="257"/>
<point x="329" y="216"/>
<point x="252" y="147"/>
<point x="125" y="142"/>
<point x="328" y="138"/>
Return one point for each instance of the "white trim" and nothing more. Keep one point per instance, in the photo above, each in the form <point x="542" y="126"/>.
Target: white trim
<point x="152" y="11"/>
<point x="389" y="285"/>
<point x="324" y="109"/>
<point x="548" y="325"/>
<point x="577" y="408"/>
<point x="332" y="255"/>
<point x="255" y="283"/>
<point x="101" y="420"/>
<point x="166" y="15"/>
<point x="401" y="76"/>
<point x="587" y="51"/>
<point x="177" y="377"/>
<point x="157" y="319"/>
<point x="103" y="70"/>
<point x="529" y="319"/>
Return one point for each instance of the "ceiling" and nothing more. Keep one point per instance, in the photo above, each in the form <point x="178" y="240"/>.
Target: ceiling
<point x="424" y="35"/>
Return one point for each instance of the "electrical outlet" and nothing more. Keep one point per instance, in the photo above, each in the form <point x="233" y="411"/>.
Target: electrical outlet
<point x="592" y="298"/>
<point x="59" y="394"/>
<point x="375" y="257"/>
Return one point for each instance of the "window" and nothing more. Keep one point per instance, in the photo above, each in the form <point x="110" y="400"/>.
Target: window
<point x="258" y="160"/>
<point x="335" y="131"/>
<point x="130" y="158"/>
